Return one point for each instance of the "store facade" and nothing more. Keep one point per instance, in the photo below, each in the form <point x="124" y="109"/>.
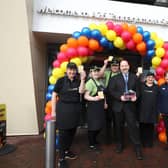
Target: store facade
<point x="53" y="22"/>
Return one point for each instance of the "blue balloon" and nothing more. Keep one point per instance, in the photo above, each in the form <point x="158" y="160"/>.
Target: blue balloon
<point x="96" y="34"/>
<point x="146" y="35"/>
<point x="150" y="54"/>
<point x="110" y="46"/>
<point x="140" y="29"/>
<point x="48" y="96"/>
<point x="150" y="44"/>
<point x="50" y="88"/>
<point x="104" y="42"/>
<point x="86" y="32"/>
<point x="76" y="34"/>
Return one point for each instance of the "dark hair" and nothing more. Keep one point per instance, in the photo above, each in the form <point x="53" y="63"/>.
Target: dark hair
<point x="150" y="74"/>
<point x="72" y="65"/>
<point x="114" y="62"/>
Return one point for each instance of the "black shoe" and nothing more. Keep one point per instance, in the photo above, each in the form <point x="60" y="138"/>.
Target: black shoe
<point x="95" y="148"/>
<point x="63" y="163"/>
<point x="70" y="155"/>
<point x="119" y="148"/>
<point x="138" y="153"/>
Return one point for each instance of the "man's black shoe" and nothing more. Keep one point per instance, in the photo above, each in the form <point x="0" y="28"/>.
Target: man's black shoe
<point x="138" y="153"/>
<point x="62" y="163"/>
<point x="95" y="148"/>
<point x="119" y="148"/>
<point x="70" y="155"/>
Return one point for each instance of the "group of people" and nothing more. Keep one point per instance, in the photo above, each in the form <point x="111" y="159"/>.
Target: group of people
<point x="115" y="95"/>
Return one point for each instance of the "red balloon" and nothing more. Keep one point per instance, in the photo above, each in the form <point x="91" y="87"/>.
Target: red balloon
<point x="164" y="63"/>
<point x="90" y="52"/>
<point x="165" y="55"/>
<point x="82" y="51"/>
<point x="161" y="123"/>
<point x="160" y="129"/>
<point x="71" y="52"/>
<point x="118" y="29"/>
<point x="47" y="117"/>
<point x="56" y="64"/>
<point x="62" y="57"/>
<point x="126" y="36"/>
<point x="165" y="45"/>
<point x="110" y="25"/>
<point x="160" y="71"/>
<point x="130" y="45"/>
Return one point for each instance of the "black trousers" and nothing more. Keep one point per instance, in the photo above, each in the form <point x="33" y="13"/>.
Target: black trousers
<point x="110" y="123"/>
<point x="165" y="119"/>
<point x="129" y="117"/>
<point x="65" y="140"/>
<point x="92" y="136"/>
<point x="147" y="134"/>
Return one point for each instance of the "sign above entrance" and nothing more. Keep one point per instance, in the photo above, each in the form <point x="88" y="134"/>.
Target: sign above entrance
<point x="101" y="15"/>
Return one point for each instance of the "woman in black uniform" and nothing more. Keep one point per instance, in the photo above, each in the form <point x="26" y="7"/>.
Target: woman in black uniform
<point x="148" y="110"/>
<point x="95" y="109"/>
<point x="67" y="110"/>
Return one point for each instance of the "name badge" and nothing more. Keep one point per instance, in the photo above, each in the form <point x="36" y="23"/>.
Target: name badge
<point x="101" y="94"/>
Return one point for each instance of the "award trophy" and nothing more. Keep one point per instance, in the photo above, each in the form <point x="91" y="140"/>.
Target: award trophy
<point x="129" y="95"/>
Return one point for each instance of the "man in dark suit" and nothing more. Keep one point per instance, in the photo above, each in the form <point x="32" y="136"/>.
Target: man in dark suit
<point x="124" y="91"/>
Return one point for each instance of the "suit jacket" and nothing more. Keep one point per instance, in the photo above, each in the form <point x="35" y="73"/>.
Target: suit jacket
<point x="116" y="89"/>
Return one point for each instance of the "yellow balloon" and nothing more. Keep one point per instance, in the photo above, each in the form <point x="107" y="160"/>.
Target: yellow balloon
<point x="52" y="80"/>
<point x="160" y="52"/>
<point x="84" y="59"/>
<point x="57" y="72"/>
<point x="64" y="66"/>
<point x="92" y="26"/>
<point x="153" y="35"/>
<point x="102" y="28"/>
<point x="156" y="61"/>
<point x="158" y="42"/>
<point x="77" y="61"/>
<point x="118" y="42"/>
<point x="111" y="35"/>
<point x="123" y="47"/>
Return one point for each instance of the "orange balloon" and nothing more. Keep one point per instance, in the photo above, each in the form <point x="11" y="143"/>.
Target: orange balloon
<point x="137" y="38"/>
<point x="83" y="41"/>
<point x="48" y="104"/>
<point x="142" y="53"/>
<point x="162" y="137"/>
<point x="141" y="47"/>
<point x="100" y="49"/>
<point x="72" y="42"/>
<point x="124" y="26"/>
<point x="48" y="110"/>
<point x="63" y="47"/>
<point x="161" y="81"/>
<point x="132" y="29"/>
<point x="93" y="44"/>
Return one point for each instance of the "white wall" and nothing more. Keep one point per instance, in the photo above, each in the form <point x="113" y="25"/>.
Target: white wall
<point x="16" y="78"/>
<point x="69" y="24"/>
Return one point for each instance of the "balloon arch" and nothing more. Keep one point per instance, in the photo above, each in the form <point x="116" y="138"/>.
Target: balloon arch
<point x="105" y="36"/>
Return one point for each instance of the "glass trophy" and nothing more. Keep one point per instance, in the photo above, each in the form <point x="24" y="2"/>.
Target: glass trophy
<point x="129" y="95"/>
